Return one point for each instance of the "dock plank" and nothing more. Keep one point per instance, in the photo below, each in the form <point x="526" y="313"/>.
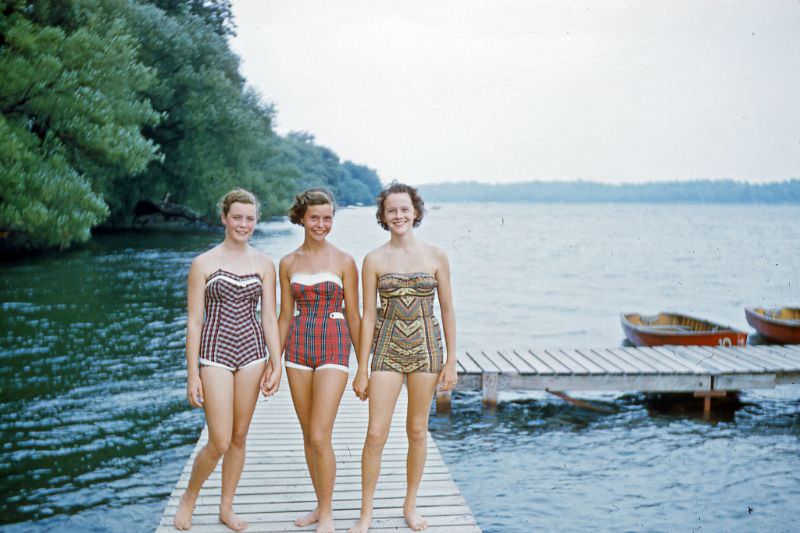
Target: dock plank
<point x="275" y="486"/>
<point x="486" y="364"/>
<point x="500" y="362"/>
<point x="517" y="362"/>
<point x="540" y="367"/>
<point x="557" y="364"/>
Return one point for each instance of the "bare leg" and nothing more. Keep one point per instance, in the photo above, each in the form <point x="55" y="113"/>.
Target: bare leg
<point x="328" y="387"/>
<point x="420" y="394"/>
<point x="218" y="406"/>
<point x="301" y="385"/>
<point x="245" y="395"/>
<point x="384" y="388"/>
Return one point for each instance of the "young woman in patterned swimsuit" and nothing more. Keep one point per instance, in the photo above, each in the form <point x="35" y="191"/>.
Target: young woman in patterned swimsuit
<point x="226" y="350"/>
<point x="316" y="279"/>
<point x="405" y="340"/>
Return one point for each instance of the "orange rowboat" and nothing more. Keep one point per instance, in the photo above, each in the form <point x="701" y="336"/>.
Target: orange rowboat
<point x="674" y="328"/>
<point x="781" y="325"/>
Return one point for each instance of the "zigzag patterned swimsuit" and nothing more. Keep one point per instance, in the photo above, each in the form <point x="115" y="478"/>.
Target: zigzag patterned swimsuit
<point x="232" y="337"/>
<point x="318" y="335"/>
<point x="407" y="335"/>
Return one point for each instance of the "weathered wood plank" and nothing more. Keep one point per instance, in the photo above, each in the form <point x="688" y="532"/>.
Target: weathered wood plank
<point x="486" y="364"/>
<point x="500" y="362"/>
<point x="534" y="362"/>
<point x="517" y="362"/>
<point x="556" y="364"/>
<point x="275" y="486"/>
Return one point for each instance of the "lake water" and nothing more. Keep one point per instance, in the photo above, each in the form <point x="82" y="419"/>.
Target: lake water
<point x="95" y="427"/>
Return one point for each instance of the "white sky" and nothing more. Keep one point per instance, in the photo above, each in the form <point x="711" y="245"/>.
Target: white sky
<point x="498" y="91"/>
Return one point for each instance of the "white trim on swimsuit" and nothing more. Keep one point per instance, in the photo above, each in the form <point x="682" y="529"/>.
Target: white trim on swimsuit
<point x="343" y="368"/>
<point x="237" y="282"/>
<point x="318" y="277"/>
<point x="206" y="362"/>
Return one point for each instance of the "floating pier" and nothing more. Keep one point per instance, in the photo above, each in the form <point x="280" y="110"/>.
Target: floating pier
<point x="275" y="487"/>
<point x="706" y="371"/>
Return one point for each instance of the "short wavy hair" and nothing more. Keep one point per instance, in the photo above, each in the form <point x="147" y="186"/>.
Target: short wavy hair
<point x="242" y="196"/>
<point x="314" y="196"/>
<point x="397" y="187"/>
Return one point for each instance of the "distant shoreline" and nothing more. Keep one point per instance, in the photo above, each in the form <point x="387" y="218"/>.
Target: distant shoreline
<point x="698" y="191"/>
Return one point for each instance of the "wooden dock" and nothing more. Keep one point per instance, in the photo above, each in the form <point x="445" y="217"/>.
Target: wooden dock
<point x="702" y="370"/>
<point x="275" y="487"/>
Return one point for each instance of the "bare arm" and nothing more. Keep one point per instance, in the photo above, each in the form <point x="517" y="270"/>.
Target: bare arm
<point x="194" y="326"/>
<point x="269" y="323"/>
<point x="351" y="307"/>
<point x="369" y="285"/>
<point x="448" y="377"/>
<point x="287" y="301"/>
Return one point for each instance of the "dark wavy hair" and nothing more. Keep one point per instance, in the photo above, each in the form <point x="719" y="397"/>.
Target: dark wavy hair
<point x="413" y="193"/>
<point x="315" y="196"/>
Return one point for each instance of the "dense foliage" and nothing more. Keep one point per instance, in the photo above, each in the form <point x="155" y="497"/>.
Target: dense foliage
<point x="701" y="191"/>
<point x="106" y="103"/>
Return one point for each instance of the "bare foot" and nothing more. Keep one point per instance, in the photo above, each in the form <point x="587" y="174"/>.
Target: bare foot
<point x="230" y="519"/>
<point x="362" y="526"/>
<point x="413" y="519"/>
<point x="307" y="520"/>
<point x="326" y="525"/>
<point x="183" y="516"/>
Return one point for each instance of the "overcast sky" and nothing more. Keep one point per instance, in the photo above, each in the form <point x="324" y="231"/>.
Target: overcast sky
<point x="498" y="91"/>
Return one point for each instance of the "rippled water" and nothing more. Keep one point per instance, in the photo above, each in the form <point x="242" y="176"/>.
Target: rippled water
<point x="95" y="428"/>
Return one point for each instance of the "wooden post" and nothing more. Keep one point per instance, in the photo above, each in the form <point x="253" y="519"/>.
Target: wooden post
<point x="442" y="401"/>
<point x="489" y="386"/>
<point x="707" y="395"/>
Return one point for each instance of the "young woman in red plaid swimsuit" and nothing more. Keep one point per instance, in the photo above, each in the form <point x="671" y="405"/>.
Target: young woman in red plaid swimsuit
<point x="317" y="334"/>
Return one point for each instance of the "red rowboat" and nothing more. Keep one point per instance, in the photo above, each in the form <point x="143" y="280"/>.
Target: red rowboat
<point x="673" y="328"/>
<point x="780" y="325"/>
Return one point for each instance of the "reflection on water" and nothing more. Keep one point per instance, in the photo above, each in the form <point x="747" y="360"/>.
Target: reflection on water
<point x="95" y="428"/>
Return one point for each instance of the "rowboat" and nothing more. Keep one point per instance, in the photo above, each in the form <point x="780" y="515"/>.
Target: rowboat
<point x="781" y="325"/>
<point x="674" y="328"/>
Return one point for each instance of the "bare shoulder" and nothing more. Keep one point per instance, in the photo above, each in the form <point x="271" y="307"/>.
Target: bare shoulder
<point x="435" y="252"/>
<point x="375" y="257"/>
<point x="343" y="259"/>
<point x="288" y="260"/>
<point x="265" y="264"/>
<point x="206" y="262"/>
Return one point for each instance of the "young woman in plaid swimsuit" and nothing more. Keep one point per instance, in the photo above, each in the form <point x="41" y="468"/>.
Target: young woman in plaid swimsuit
<point x="226" y="350"/>
<point x="405" y="340"/>
<point x="317" y="334"/>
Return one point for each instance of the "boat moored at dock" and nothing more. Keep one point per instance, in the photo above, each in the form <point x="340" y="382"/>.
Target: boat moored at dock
<point x="780" y="325"/>
<point x="678" y="329"/>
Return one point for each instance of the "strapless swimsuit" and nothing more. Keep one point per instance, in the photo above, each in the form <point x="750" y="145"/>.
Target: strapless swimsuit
<point x="318" y="335"/>
<point x="407" y="335"/>
<point x="232" y="337"/>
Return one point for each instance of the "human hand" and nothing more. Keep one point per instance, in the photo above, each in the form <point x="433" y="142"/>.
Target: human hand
<point x="361" y="385"/>
<point x="448" y="378"/>
<point x="194" y="391"/>
<point x="271" y="379"/>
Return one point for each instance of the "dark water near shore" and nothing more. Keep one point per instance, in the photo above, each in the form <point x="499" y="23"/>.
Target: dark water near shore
<point x="95" y="428"/>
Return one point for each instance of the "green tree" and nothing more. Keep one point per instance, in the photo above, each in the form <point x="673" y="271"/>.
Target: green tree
<point x="72" y="112"/>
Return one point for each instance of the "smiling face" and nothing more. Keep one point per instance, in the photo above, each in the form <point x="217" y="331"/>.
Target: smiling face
<point x="318" y="221"/>
<point x="399" y="212"/>
<point x="240" y="221"/>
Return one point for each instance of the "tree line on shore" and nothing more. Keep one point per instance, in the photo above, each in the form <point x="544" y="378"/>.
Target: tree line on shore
<point x="108" y="103"/>
<point x="697" y="191"/>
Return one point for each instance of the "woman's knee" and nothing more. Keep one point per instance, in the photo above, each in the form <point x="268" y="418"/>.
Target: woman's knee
<point x="238" y="439"/>
<point x="417" y="433"/>
<point x="319" y="440"/>
<point x="219" y="445"/>
<point x="376" y="438"/>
